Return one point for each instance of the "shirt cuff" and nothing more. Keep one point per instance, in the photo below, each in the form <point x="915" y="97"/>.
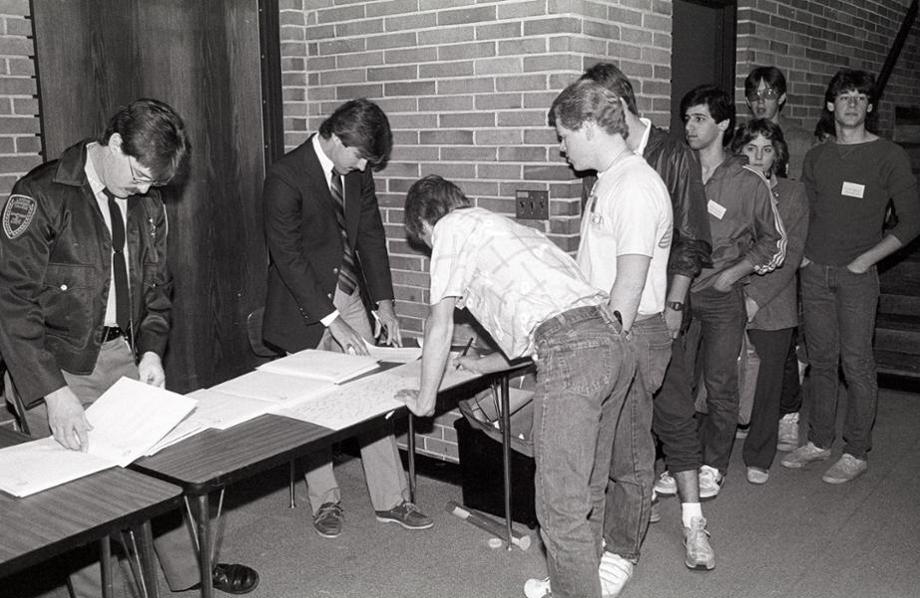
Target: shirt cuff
<point x="329" y="319"/>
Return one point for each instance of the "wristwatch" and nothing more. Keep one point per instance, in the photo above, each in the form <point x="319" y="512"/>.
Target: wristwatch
<point x="675" y="305"/>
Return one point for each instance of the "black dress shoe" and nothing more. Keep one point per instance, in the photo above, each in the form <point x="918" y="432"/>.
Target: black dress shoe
<point x="233" y="579"/>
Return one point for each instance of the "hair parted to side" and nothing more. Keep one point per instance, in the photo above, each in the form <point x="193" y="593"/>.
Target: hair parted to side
<point x="429" y="199"/>
<point x="587" y="100"/>
<point x="361" y="124"/>
<point x="749" y="131"/>
<point x="152" y="133"/>
<point x="721" y="106"/>
<point x="611" y="77"/>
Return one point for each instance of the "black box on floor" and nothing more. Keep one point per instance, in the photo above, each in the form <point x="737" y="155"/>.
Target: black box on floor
<point x="482" y="476"/>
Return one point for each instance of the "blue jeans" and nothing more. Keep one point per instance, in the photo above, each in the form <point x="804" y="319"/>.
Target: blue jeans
<point x="839" y="323"/>
<point x="722" y="319"/>
<point x="584" y="370"/>
<point x="632" y="465"/>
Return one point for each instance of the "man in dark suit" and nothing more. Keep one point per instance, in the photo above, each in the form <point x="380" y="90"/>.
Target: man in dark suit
<point x="327" y="244"/>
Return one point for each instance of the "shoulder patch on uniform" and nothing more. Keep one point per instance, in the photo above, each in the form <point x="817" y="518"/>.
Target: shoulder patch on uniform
<point x="17" y="215"/>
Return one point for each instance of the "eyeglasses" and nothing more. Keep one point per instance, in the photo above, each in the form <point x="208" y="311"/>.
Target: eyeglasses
<point x="141" y="179"/>
<point x="767" y="93"/>
<point x="857" y="99"/>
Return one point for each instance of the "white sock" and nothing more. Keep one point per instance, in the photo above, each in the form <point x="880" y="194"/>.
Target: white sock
<point x="689" y="510"/>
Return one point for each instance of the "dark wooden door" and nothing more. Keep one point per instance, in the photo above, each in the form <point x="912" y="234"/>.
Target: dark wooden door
<point x="703" y="49"/>
<point x="203" y="58"/>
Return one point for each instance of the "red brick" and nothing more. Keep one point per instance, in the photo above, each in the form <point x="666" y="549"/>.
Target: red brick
<point x="466" y="15"/>
<point x="15" y="7"/>
<point x="498" y="101"/>
<point x="18" y="86"/>
<point x="411" y="55"/>
<point x="516" y="10"/>
<point x="19" y="125"/>
<point x="19" y="164"/>
<point x="389" y="41"/>
<point x="468" y="153"/>
<point x="29" y="145"/>
<point x="410" y="21"/>
<point x="439" y="103"/>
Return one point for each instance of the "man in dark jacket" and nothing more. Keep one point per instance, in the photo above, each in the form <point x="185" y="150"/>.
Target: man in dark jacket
<point x="85" y="293"/>
<point x="327" y="245"/>
<point x="671" y="412"/>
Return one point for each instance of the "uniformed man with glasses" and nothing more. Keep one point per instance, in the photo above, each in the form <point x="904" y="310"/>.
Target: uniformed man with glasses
<point x="85" y="294"/>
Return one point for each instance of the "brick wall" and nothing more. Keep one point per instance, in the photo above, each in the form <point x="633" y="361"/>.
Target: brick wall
<point x="810" y="40"/>
<point x="466" y="86"/>
<point x="20" y="143"/>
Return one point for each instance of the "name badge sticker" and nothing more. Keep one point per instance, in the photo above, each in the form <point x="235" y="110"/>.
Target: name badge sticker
<point x="715" y="209"/>
<point x="853" y="190"/>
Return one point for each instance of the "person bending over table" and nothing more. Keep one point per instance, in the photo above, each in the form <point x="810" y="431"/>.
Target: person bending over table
<point x="534" y="301"/>
<point x="85" y="295"/>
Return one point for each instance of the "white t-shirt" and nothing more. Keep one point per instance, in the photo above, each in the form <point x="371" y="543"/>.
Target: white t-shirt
<point x="628" y="212"/>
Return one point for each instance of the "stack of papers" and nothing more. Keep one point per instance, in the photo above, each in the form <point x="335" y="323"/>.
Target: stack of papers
<point x="214" y="410"/>
<point x="127" y="420"/>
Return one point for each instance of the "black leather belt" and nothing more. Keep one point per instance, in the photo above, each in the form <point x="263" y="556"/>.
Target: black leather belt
<point x="110" y="333"/>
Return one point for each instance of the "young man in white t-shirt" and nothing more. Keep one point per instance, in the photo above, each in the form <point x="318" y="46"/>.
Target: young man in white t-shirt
<point x="626" y="235"/>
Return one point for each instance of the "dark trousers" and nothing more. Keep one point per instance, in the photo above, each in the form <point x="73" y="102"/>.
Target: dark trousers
<point x="673" y="417"/>
<point x="791" y="397"/>
<point x="772" y="347"/>
<point x="721" y="318"/>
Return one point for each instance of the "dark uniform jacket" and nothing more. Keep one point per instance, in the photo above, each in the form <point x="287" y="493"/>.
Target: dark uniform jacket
<point x="306" y="248"/>
<point x="56" y="266"/>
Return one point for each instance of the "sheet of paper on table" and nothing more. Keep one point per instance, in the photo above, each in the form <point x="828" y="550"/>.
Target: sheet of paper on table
<point x="277" y="388"/>
<point x="214" y="410"/>
<point x="394" y="354"/>
<point x="31" y="467"/>
<point x="321" y="365"/>
<point x="128" y="419"/>
<point x="367" y="397"/>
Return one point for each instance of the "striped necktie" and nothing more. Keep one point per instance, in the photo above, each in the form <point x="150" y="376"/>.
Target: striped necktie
<point x="348" y="271"/>
<point x="122" y="301"/>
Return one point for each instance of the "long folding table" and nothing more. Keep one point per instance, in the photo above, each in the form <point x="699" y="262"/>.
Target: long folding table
<point x="209" y="461"/>
<point x="38" y="527"/>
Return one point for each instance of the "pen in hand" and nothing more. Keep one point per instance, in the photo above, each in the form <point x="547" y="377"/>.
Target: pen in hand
<point x="464" y="352"/>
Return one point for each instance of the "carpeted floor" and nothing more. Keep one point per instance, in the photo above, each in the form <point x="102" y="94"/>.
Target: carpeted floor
<point x="794" y="537"/>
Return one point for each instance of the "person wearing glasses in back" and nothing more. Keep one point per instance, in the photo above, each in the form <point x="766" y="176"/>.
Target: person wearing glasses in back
<point x="765" y="93"/>
<point x="850" y="181"/>
<point x="85" y="296"/>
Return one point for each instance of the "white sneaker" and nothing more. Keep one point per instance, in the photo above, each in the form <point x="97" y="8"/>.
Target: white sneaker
<point x="699" y="551"/>
<point x="710" y="481"/>
<point x="845" y="469"/>
<point x="788" y="437"/>
<point x="804" y="455"/>
<point x="537" y="588"/>
<point x="666" y="484"/>
<point x="756" y="475"/>
<point x="614" y="572"/>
